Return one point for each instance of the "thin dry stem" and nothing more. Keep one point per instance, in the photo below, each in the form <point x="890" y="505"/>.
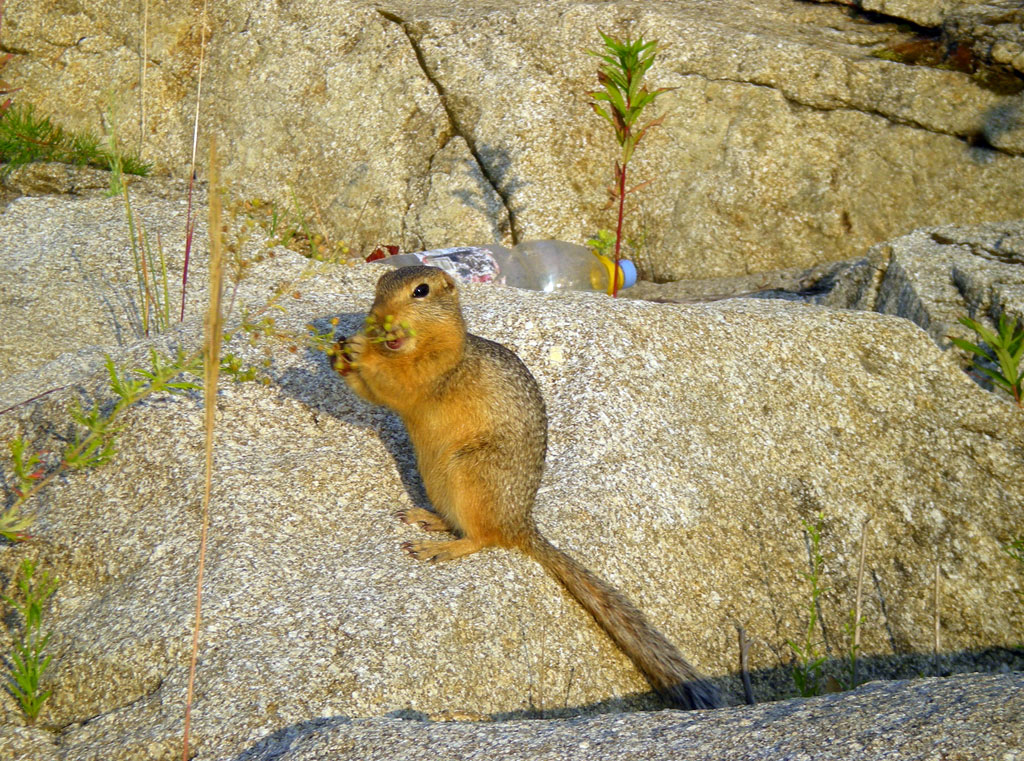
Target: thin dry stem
<point x="189" y="220"/>
<point x="147" y="296"/>
<point x="859" y="597"/>
<point x="748" y="690"/>
<point x="211" y="371"/>
<point x="142" y="75"/>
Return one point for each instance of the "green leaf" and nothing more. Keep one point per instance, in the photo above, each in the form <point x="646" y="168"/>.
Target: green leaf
<point x="997" y="378"/>
<point x="968" y="346"/>
<point x="987" y="335"/>
<point x="601" y="112"/>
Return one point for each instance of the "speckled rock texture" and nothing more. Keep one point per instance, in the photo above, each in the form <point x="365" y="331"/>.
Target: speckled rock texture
<point x="928" y="13"/>
<point x="687" y="445"/>
<point x="786" y="141"/>
<point x="994" y="31"/>
<point x="932" y="276"/>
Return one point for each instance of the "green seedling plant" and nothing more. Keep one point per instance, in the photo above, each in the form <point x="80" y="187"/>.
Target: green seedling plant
<point x="26" y="664"/>
<point x="621" y="101"/>
<point x="1003" y="349"/>
<point x="28" y="469"/>
<point x="809" y="658"/>
<point x="603" y="243"/>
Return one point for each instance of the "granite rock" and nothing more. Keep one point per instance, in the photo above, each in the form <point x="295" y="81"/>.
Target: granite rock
<point x="787" y="142"/>
<point x="896" y="721"/>
<point x="687" y="445"/>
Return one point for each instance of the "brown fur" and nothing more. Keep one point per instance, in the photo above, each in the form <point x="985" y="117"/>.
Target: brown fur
<point x="477" y="422"/>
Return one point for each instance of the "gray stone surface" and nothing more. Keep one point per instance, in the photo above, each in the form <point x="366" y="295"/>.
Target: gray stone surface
<point x="425" y="124"/>
<point x="687" y="444"/>
<point x="69" y="290"/>
<point x="933" y="276"/>
<point x="841" y="285"/>
<point x="936" y="275"/>
<point x="67" y="278"/>
<point x="926" y="719"/>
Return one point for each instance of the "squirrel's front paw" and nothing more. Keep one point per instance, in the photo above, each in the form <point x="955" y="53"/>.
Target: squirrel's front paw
<point x="346" y="352"/>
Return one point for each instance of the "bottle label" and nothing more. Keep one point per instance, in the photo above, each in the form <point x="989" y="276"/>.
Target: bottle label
<point x="467" y="264"/>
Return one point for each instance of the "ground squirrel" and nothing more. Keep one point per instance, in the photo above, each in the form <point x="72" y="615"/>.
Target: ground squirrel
<point x="476" y="419"/>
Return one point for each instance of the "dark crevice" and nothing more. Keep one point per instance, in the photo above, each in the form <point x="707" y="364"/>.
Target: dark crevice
<point x="456" y="124"/>
<point x="876" y="17"/>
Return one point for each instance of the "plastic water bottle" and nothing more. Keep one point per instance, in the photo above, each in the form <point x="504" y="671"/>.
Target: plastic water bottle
<point x="539" y="265"/>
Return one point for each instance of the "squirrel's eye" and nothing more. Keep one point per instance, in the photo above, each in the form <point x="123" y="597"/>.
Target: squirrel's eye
<point x="421" y="290"/>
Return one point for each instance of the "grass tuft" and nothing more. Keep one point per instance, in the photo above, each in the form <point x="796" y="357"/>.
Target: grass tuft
<point x="26" y="137"/>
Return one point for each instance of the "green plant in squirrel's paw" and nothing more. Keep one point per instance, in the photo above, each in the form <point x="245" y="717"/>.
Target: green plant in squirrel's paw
<point x="388" y="331"/>
<point x="1004" y="350"/>
<point x="809" y="659"/>
<point x="325" y="341"/>
<point x="26" y="664"/>
<point x="621" y="101"/>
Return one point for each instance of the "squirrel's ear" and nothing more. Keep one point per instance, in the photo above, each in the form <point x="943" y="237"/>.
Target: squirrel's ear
<point x="449" y="281"/>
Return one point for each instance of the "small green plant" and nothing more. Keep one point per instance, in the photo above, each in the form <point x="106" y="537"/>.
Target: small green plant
<point x="27" y="664"/>
<point x="290" y="227"/>
<point x="624" y="96"/>
<point x="26" y="137"/>
<point x="809" y="659"/>
<point x="28" y="469"/>
<point x="1015" y="549"/>
<point x="1000" y="360"/>
<point x="856" y="620"/>
<point x="603" y="244"/>
<point x="93" y="441"/>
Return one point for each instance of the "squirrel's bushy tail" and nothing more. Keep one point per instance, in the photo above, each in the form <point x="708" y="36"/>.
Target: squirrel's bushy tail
<point x="665" y="668"/>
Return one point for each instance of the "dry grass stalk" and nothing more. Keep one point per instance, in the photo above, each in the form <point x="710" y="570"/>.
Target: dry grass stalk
<point x="748" y="690"/>
<point x="211" y="370"/>
<point x="189" y="220"/>
<point x="142" y="75"/>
